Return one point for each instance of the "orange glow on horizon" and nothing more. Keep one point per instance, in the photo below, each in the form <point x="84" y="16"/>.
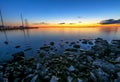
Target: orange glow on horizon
<point x="80" y="25"/>
<point x="65" y="25"/>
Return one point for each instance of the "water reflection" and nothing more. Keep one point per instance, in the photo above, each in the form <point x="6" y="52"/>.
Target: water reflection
<point x="108" y="30"/>
<point x="28" y="34"/>
<point x="110" y="33"/>
<point x="6" y="37"/>
<point x="26" y="37"/>
<point x="34" y="38"/>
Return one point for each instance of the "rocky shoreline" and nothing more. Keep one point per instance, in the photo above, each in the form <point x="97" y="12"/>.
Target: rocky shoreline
<point x="100" y="63"/>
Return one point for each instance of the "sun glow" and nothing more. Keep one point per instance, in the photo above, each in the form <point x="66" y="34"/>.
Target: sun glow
<point x="79" y="25"/>
<point x="30" y="24"/>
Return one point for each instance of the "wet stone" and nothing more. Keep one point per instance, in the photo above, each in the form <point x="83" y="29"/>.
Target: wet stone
<point x="18" y="56"/>
<point x="93" y="77"/>
<point x="76" y="46"/>
<point x="71" y="68"/>
<point x="35" y="79"/>
<point x="72" y="43"/>
<point x="28" y="49"/>
<point x="102" y="76"/>
<point x="1" y="67"/>
<point x="84" y="41"/>
<point x="106" y="66"/>
<point x="117" y="59"/>
<point x="6" y="42"/>
<point x="54" y="79"/>
<point x="71" y="49"/>
<point x="52" y="43"/>
<point x="67" y="42"/>
<point x="115" y="42"/>
<point x="90" y="52"/>
<point x="18" y="46"/>
<point x="90" y="42"/>
<point x="45" y="48"/>
<point x="42" y="54"/>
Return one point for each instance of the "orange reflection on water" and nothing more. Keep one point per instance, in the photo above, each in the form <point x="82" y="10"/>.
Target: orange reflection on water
<point x="71" y="31"/>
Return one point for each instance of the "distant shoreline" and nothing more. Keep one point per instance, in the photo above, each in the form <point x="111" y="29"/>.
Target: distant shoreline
<point x="17" y="28"/>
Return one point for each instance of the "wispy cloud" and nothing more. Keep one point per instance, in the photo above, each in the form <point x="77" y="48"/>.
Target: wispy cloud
<point x="41" y="23"/>
<point x="110" y="21"/>
<point x="61" y="23"/>
<point x="71" y="23"/>
<point x="80" y="22"/>
<point x="79" y="17"/>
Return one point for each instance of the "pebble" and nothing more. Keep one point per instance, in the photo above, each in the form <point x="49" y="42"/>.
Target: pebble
<point x="71" y="68"/>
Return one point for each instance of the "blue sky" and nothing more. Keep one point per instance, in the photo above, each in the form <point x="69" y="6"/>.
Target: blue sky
<point x="56" y="11"/>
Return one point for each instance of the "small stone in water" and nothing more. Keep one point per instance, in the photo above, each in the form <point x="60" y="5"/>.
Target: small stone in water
<point x="72" y="42"/>
<point x="51" y="48"/>
<point x="84" y="41"/>
<point x="18" y="54"/>
<point x="27" y="49"/>
<point x="52" y="43"/>
<point x="66" y="42"/>
<point x="55" y="49"/>
<point x="90" y="42"/>
<point x="18" y="46"/>
<point x="71" y="68"/>
<point x="6" y="42"/>
<point x="76" y="46"/>
<point x="71" y="49"/>
<point x="46" y="48"/>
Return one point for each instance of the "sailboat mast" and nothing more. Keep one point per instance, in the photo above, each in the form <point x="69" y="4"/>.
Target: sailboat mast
<point x="22" y="20"/>
<point x="1" y="18"/>
<point x="26" y="22"/>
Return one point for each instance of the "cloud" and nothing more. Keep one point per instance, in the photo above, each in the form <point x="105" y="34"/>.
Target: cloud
<point x="79" y="17"/>
<point x="62" y="23"/>
<point x="80" y="22"/>
<point x="110" y="21"/>
<point x="71" y="23"/>
<point x="41" y="23"/>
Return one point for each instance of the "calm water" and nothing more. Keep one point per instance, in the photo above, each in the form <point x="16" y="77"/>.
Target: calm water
<point x="34" y="38"/>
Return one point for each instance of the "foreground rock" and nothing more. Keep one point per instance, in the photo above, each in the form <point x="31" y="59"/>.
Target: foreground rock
<point x="99" y="64"/>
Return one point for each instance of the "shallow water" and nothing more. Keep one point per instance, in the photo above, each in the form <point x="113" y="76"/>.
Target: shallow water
<point x="34" y="38"/>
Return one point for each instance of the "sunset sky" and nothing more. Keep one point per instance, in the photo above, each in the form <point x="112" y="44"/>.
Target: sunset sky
<point x="52" y="12"/>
